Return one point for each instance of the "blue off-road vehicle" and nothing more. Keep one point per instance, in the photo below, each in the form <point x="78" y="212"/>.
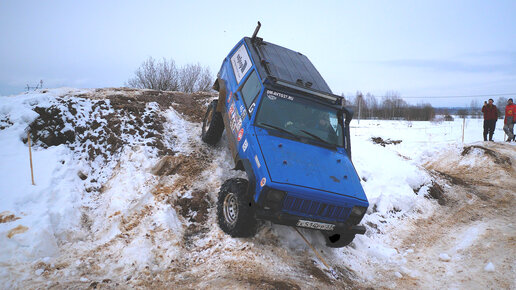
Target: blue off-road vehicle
<point x="290" y="134"/>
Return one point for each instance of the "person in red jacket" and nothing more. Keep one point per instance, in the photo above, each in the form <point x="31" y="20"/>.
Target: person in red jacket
<point x="510" y="119"/>
<point x="490" y="116"/>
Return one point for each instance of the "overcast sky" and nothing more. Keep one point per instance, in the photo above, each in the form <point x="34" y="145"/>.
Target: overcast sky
<point x="415" y="48"/>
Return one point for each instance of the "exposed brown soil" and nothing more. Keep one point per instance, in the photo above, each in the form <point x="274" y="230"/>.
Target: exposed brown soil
<point x="194" y="209"/>
<point x="497" y="158"/>
<point x="6" y="217"/>
<point x="17" y="230"/>
<point x="5" y="123"/>
<point x="436" y="192"/>
<point x="130" y="119"/>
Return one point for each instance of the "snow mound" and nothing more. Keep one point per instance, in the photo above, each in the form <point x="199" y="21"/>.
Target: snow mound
<point x="126" y="195"/>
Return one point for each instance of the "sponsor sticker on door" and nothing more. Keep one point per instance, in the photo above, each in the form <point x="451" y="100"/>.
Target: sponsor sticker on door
<point x="241" y="63"/>
<point x="244" y="146"/>
<point x="257" y="161"/>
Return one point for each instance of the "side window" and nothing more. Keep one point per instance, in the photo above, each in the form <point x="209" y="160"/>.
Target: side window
<point x="251" y="88"/>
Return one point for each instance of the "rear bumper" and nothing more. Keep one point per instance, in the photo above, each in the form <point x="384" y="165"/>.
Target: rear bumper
<point x="292" y="220"/>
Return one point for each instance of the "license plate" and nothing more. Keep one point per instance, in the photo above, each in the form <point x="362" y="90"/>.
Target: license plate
<point x="315" y="225"/>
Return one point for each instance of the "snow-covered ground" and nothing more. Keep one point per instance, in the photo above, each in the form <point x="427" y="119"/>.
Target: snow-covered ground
<point x="129" y="199"/>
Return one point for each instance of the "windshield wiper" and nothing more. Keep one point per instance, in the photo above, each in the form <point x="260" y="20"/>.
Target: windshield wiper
<point x="279" y="129"/>
<point x="318" y="138"/>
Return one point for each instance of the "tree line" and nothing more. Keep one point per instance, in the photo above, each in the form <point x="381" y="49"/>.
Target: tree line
<point x="388" y="107"/>
<point x="164" y="75"/>
<point x="475" y="108"/>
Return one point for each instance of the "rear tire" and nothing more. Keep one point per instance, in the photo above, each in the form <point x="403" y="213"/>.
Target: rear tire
<point x="337" y="240"/>
<point x="212" y="125"/>
<point x="235" y="214"/>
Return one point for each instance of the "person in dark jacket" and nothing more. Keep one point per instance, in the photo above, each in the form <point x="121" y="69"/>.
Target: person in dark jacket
<point x="490" y="116"/>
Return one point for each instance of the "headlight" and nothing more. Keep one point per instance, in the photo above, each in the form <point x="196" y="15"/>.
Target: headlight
<point x="358" y="210"/>
<point x="275" y="196"/>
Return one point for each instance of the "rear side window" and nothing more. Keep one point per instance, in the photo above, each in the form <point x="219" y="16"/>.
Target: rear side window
<point x="251" y="88"/>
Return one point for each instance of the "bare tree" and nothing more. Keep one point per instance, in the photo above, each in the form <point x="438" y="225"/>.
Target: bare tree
<point x="391" y="106"/>
<point x="501" y="102"/>
<point x="475" y="109"/>
<point x="188" y="77"/>
<point x="359" y="103"/>
<point x="372" y="105"/>
<point x="162" y="75"/>
<point x="205" y="81"/>
<point x="462" y="113"/>
<point x="165" y="76"/>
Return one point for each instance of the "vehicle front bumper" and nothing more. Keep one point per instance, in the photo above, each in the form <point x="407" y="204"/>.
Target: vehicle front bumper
<point x="292" y="220"/>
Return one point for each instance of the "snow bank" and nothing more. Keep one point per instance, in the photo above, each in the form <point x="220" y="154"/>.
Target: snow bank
<point x="47" y="209"/>
<point x="102" y="210"/>
<point x="65" y="208"/>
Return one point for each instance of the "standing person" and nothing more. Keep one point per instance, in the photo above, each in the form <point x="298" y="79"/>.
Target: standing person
<point x="490" y="116"/>
<point x="510" y="119"/>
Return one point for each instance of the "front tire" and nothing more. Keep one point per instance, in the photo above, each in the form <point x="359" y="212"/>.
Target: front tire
<point x="212" y="125"/>
<point x="235" y="213"/>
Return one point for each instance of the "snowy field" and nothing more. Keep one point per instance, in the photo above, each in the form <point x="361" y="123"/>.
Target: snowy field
<point x="116" y="206"/>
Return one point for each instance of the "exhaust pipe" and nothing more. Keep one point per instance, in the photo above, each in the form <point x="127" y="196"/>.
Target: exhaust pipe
<point x="256" y="30"/>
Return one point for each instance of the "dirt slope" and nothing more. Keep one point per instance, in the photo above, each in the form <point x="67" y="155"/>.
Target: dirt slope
<point x="477" y="225"/>
<point x="165" y="233"/>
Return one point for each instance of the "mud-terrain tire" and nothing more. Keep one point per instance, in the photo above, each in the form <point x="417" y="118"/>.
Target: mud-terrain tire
<point x="212" y="125"/>
<point x="235" y="214"/>
<point x="336" y="240"/>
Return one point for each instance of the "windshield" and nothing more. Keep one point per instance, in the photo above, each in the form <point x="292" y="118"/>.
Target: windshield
<point x="300" y="117"/>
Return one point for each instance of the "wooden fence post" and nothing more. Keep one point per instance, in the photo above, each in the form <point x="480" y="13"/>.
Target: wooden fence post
<point x="30" y="157"/>
<point x="463" y="125"/>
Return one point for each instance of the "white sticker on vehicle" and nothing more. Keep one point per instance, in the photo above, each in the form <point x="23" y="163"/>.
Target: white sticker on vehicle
<point x="272" y="95"/>
<point x="244" y="146"/>
<point x="257" y="161"/>
<point x="241" y="63"/>
<point x="235" y="123"/>
<point x="231" y="110"/>
<point x="243" y="112"/>
<point x="251" y="108"/>
<point x="315" y="225"/>
<point x="243" y="115"/>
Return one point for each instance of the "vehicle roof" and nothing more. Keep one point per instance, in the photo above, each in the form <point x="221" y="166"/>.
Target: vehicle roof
<point x="287" y="65"/>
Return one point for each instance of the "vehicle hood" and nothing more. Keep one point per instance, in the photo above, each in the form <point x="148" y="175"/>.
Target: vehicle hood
<point x="307" y="165"/>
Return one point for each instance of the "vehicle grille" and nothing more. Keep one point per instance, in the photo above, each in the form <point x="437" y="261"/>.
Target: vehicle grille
<point x="315" y="208"/>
